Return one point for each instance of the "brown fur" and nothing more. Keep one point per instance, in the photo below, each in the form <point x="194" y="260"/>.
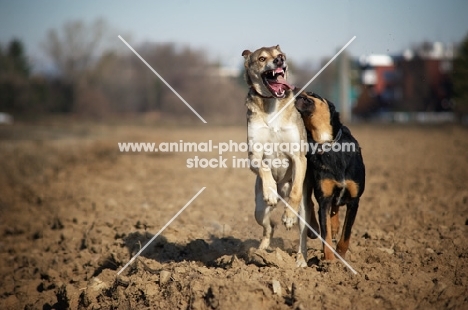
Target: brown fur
<point x="288" y="127"/>
<point x="319" y="122"/>
<point x="328" y="186"/>
<point x="327" y="252"/>
<point x="338" y="178"/>
<point x="335" y="221"/>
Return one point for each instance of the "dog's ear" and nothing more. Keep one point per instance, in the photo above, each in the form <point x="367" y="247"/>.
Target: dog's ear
<point x="332" y="108"/>
<point x="246" y="53"/>
<point x="312" y="94"/>
<point x="247" y="77"/>
<point x="334" y="115"/>
<point x="300" y="104"/>
<point x="278" y="47"/>
<point x="305" y="105"/>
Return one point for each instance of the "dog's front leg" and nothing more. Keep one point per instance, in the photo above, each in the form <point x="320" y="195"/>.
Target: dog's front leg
<point x="264" y="172"/>
<point x="295" y="195"/>
<point x="262" y="215"/>
<point x="351" y="211"/>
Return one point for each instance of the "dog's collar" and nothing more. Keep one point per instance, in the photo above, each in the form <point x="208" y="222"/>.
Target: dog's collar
<point x="320" y="150"/>
<point x="260" y="95"/>
<point x="338" y="136"/>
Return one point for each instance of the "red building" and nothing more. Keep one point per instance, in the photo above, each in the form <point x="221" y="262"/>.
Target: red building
<point x="416" y="81"/>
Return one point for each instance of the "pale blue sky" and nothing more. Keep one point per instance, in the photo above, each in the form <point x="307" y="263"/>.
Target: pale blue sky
<point x="306" y="30"/>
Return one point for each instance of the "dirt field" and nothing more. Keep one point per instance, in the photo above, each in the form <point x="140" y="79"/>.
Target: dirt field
<point x="74" y="210"/>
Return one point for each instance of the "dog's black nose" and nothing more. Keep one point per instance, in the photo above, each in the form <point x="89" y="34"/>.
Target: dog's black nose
<point x="278" y="61"/>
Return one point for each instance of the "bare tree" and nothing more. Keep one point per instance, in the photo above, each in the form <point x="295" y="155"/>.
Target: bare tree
<point x="104" y="80"/>
<point x="75" y="47"/>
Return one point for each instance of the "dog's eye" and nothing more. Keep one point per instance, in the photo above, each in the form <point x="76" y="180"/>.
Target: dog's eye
<point x="261" y="58"/>
<point x="280" y="56"/>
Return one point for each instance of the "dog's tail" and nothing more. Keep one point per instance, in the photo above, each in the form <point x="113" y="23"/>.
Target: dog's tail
<point x="342" y="192"/>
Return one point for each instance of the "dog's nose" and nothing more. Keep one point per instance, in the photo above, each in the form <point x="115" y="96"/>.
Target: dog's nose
<point x="278" y="61"/>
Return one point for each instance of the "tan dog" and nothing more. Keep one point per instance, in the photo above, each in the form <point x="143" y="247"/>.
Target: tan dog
<point x="283" y="171"/>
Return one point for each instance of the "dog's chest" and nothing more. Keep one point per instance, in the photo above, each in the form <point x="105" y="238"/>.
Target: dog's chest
<point x="261" y="131"/>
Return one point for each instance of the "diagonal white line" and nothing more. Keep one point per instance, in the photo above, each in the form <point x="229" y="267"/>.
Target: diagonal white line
<point x="315" y="233"/>
<point x="311" y="80"/>
<point x="164" y="81"/>
<point x="160" y="231"/>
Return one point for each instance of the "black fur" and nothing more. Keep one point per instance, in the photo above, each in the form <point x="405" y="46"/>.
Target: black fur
<point x="338" y="166"/>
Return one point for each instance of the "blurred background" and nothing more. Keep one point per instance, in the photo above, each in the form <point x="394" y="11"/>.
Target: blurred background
<point x="408" y="63"/>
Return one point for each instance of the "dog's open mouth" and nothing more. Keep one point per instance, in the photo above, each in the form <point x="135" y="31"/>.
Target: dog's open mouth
<point x="276" y="83"/>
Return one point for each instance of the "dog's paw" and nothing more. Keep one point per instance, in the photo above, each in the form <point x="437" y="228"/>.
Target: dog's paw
<point x="270" y="197"/>
<point x="300" y="261"/>
<point x="264" y="244"/>
<point x="311" y="234"/>
<point x="289" y="219"/>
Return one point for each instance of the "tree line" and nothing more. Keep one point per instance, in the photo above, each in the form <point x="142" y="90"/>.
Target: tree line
<point x="94" y="78"/>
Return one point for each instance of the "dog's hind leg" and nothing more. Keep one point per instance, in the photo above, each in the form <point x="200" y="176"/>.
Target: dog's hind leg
<point x="295" y="195"/>
<point x="262" y="215"/>
<point x="309" y="205"/>
<point x="325" y="227"/>
<point x="304" y="213"/>
<point x="301" y="259"/>
<point x="351" y="211"/>
<point x="335" y="221"/>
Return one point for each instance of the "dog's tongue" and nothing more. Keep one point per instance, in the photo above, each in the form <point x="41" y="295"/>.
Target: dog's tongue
<point x="282" y="80"/>
<point x="279" y="85"/>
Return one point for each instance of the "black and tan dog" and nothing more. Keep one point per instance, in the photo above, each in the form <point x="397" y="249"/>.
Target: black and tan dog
<point x="335" y="169"/>
<point x="284" y="170"/>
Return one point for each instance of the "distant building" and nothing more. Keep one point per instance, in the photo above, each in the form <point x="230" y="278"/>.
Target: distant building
<point x="5" y="118"/>
<point x="416" y="81"/>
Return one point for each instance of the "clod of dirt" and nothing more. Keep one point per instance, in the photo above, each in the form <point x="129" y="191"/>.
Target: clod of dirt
<point x="97" y="284"/>
<point x="375" y="234"/>
<point x="37" y="235"/>
<point x="282" y="256"/>
<point x="111" y="203"/>
<point x="50" y="275"/>
<point x="440" y="287"/>
<point x="210" y="298"/>
<point x="63" y="301"/>
<point x="276" y="287"/>
<point x="11" y="302"/>
<point x="262" y="258"/>
<point x="291" y="299"/>
<point x="123" y="280"/>
<point x="110" y="262"/>
<point x="227" y="261"/>
<point x="387" y="250"/>
<point x="84" y="300"/>
<point x="429" y="251"/>
<point x="13" y="231"/>
<point x="56" y="224"/>
<point x="164" y="277"/>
